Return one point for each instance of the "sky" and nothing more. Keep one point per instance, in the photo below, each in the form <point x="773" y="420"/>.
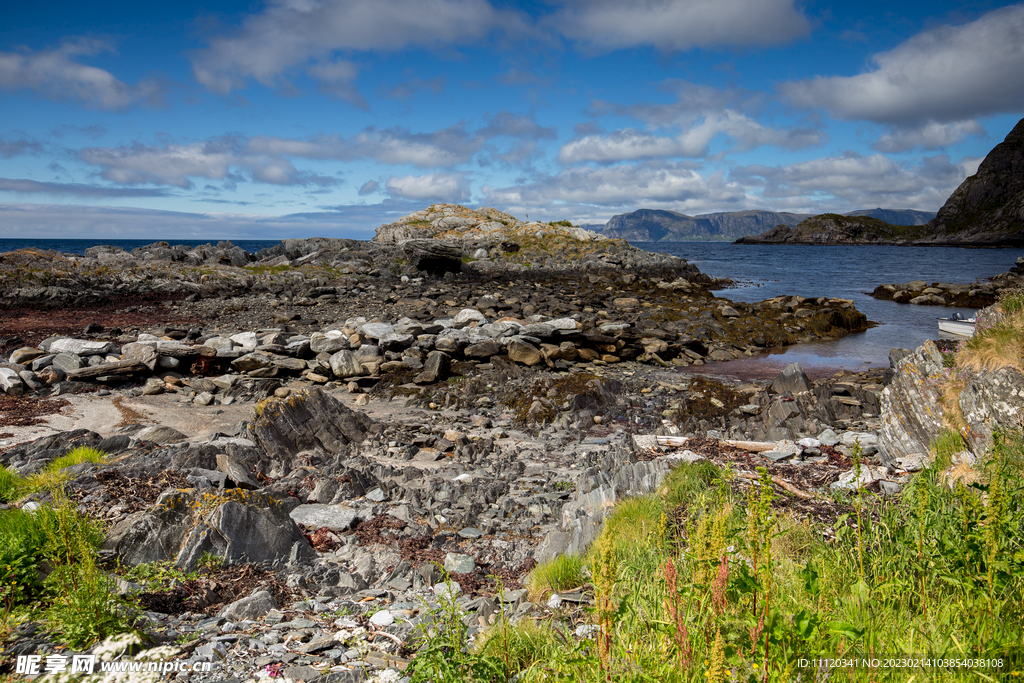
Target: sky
<point x="301" y="118"/>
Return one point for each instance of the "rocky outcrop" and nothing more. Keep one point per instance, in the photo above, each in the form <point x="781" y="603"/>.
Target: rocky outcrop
<point x="988" y="207"/>
<point x="307" y="420"/>
<point x="491" y="241"/>
<point x="911" y="414"/>
<point x="831" y="228"/>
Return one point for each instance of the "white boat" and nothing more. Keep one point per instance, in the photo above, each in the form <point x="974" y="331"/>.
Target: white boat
<point x="958" y="325"/>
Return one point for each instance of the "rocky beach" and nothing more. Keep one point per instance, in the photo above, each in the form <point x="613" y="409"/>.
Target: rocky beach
<point x="329" y="438"/>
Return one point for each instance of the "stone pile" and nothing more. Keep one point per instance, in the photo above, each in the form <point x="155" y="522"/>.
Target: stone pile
<point x="362" y="351"/>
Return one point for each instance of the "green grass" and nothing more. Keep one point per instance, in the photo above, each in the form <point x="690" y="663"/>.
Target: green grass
<point x="742" y="590"/>
<point x="50" y="478"/>
<point x="565" y="572"/>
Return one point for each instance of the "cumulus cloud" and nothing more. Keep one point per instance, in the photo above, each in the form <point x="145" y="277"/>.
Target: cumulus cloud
<point x="290" y="34"/>
<point x="337" y="79"/>
<point x="656" y="182"/>
<point x="443" y="187"/>
<point x="176" y="165"/>
<point x="631" y="144"/>
<point x="854" y="181"/>
<point x="57" y="74"/>
<point x="946" y="74"/>
<point x="930" y="136"/>
<point x="673" y="25"/>
<point x="22" y="185"/>
<point x="441" y="148"/>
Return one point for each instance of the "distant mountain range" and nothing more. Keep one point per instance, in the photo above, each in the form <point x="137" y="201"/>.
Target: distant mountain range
<point x="987" y="210"/>
<point x="656" y="225"/>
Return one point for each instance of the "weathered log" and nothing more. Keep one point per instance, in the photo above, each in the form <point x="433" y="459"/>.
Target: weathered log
<point x="117" y="368"/>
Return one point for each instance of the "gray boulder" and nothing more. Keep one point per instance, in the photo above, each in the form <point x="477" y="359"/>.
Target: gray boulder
<point x="307" y="420"/>
<point x="251" y="607"/>
<point x="791" y="381"/>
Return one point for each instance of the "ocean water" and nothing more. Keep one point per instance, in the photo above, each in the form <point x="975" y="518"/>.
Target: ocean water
<point x="764" y="271"/>
<point x="846" y="272"/>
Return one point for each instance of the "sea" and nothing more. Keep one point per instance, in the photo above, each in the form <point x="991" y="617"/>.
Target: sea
<point x="764" y="271"/>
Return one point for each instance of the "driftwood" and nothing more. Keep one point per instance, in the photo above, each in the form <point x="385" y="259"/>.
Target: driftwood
<point x="752" y="446"/>
<point x="118" y="368"/>
<point x="799" y="493"/>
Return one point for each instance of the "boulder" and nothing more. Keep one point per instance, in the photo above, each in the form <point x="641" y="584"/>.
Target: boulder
<point x="435" y="368"/>
<point x="345" y="364"/>
<point x="307" y="420"/>
<point x="524" y="352"/>
<point x="82" y="347"/>
<point x="791" y="381"/>
<point x="251" y="607"/>
<point x="316" y="515"/>
<point x="10" y="382"/>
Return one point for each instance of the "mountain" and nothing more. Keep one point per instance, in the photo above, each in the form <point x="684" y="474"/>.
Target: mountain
<point x="988" y="207"/>
<point x="655" y="225"/>
<point x="831" y="228"/>
<point x="987" y="210"/>
<point x="896" y="216"/>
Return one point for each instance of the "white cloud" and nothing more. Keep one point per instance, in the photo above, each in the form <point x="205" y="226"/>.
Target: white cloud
<point x="946" y="74"/>
<point x="671" y="25"/>
<point x="646" y="183"/>
<point x="853" y="181"/>
<point x="337" y="79"/>
<point x="437" y="149"/>
<point x="290" y="34"/>
<point x="57" y="75"/>
<point x="369" y="187"/>
<point x="930" y="136"/>
<point x="444" y="187"/>
<point x="631" y="144"/>
<point x="176" y="165"/>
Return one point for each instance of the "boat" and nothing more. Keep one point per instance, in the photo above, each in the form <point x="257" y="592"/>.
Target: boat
<point x="957" y="324"/>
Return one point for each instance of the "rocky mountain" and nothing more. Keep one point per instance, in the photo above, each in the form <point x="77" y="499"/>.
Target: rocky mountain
<point x="895" y="216"/>
<point x="655" y="225"/>
<point x="831" y="228"/>
<point x="988" y="207"/>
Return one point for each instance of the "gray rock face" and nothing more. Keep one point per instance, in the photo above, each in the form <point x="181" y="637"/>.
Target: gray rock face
<point x="435" y="368"/>
<point x="992" y="401"/>
<point x="307" y="420"/>
<point x="791" y="381"/>
<point x="911" y="416"/>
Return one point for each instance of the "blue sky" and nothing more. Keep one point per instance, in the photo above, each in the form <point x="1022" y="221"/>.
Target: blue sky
<point x="295" y="118"/>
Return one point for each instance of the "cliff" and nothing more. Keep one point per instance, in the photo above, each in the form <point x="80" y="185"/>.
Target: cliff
<point x="655" y="225"/>
<point x="988" y="207"/>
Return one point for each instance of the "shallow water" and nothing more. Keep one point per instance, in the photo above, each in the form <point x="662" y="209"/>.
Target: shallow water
<point x="846" y="272"/>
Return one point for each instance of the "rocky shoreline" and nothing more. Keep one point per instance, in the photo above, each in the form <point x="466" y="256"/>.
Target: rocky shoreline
<point x="337" y="425"/>
<point x="972" y="295"/>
